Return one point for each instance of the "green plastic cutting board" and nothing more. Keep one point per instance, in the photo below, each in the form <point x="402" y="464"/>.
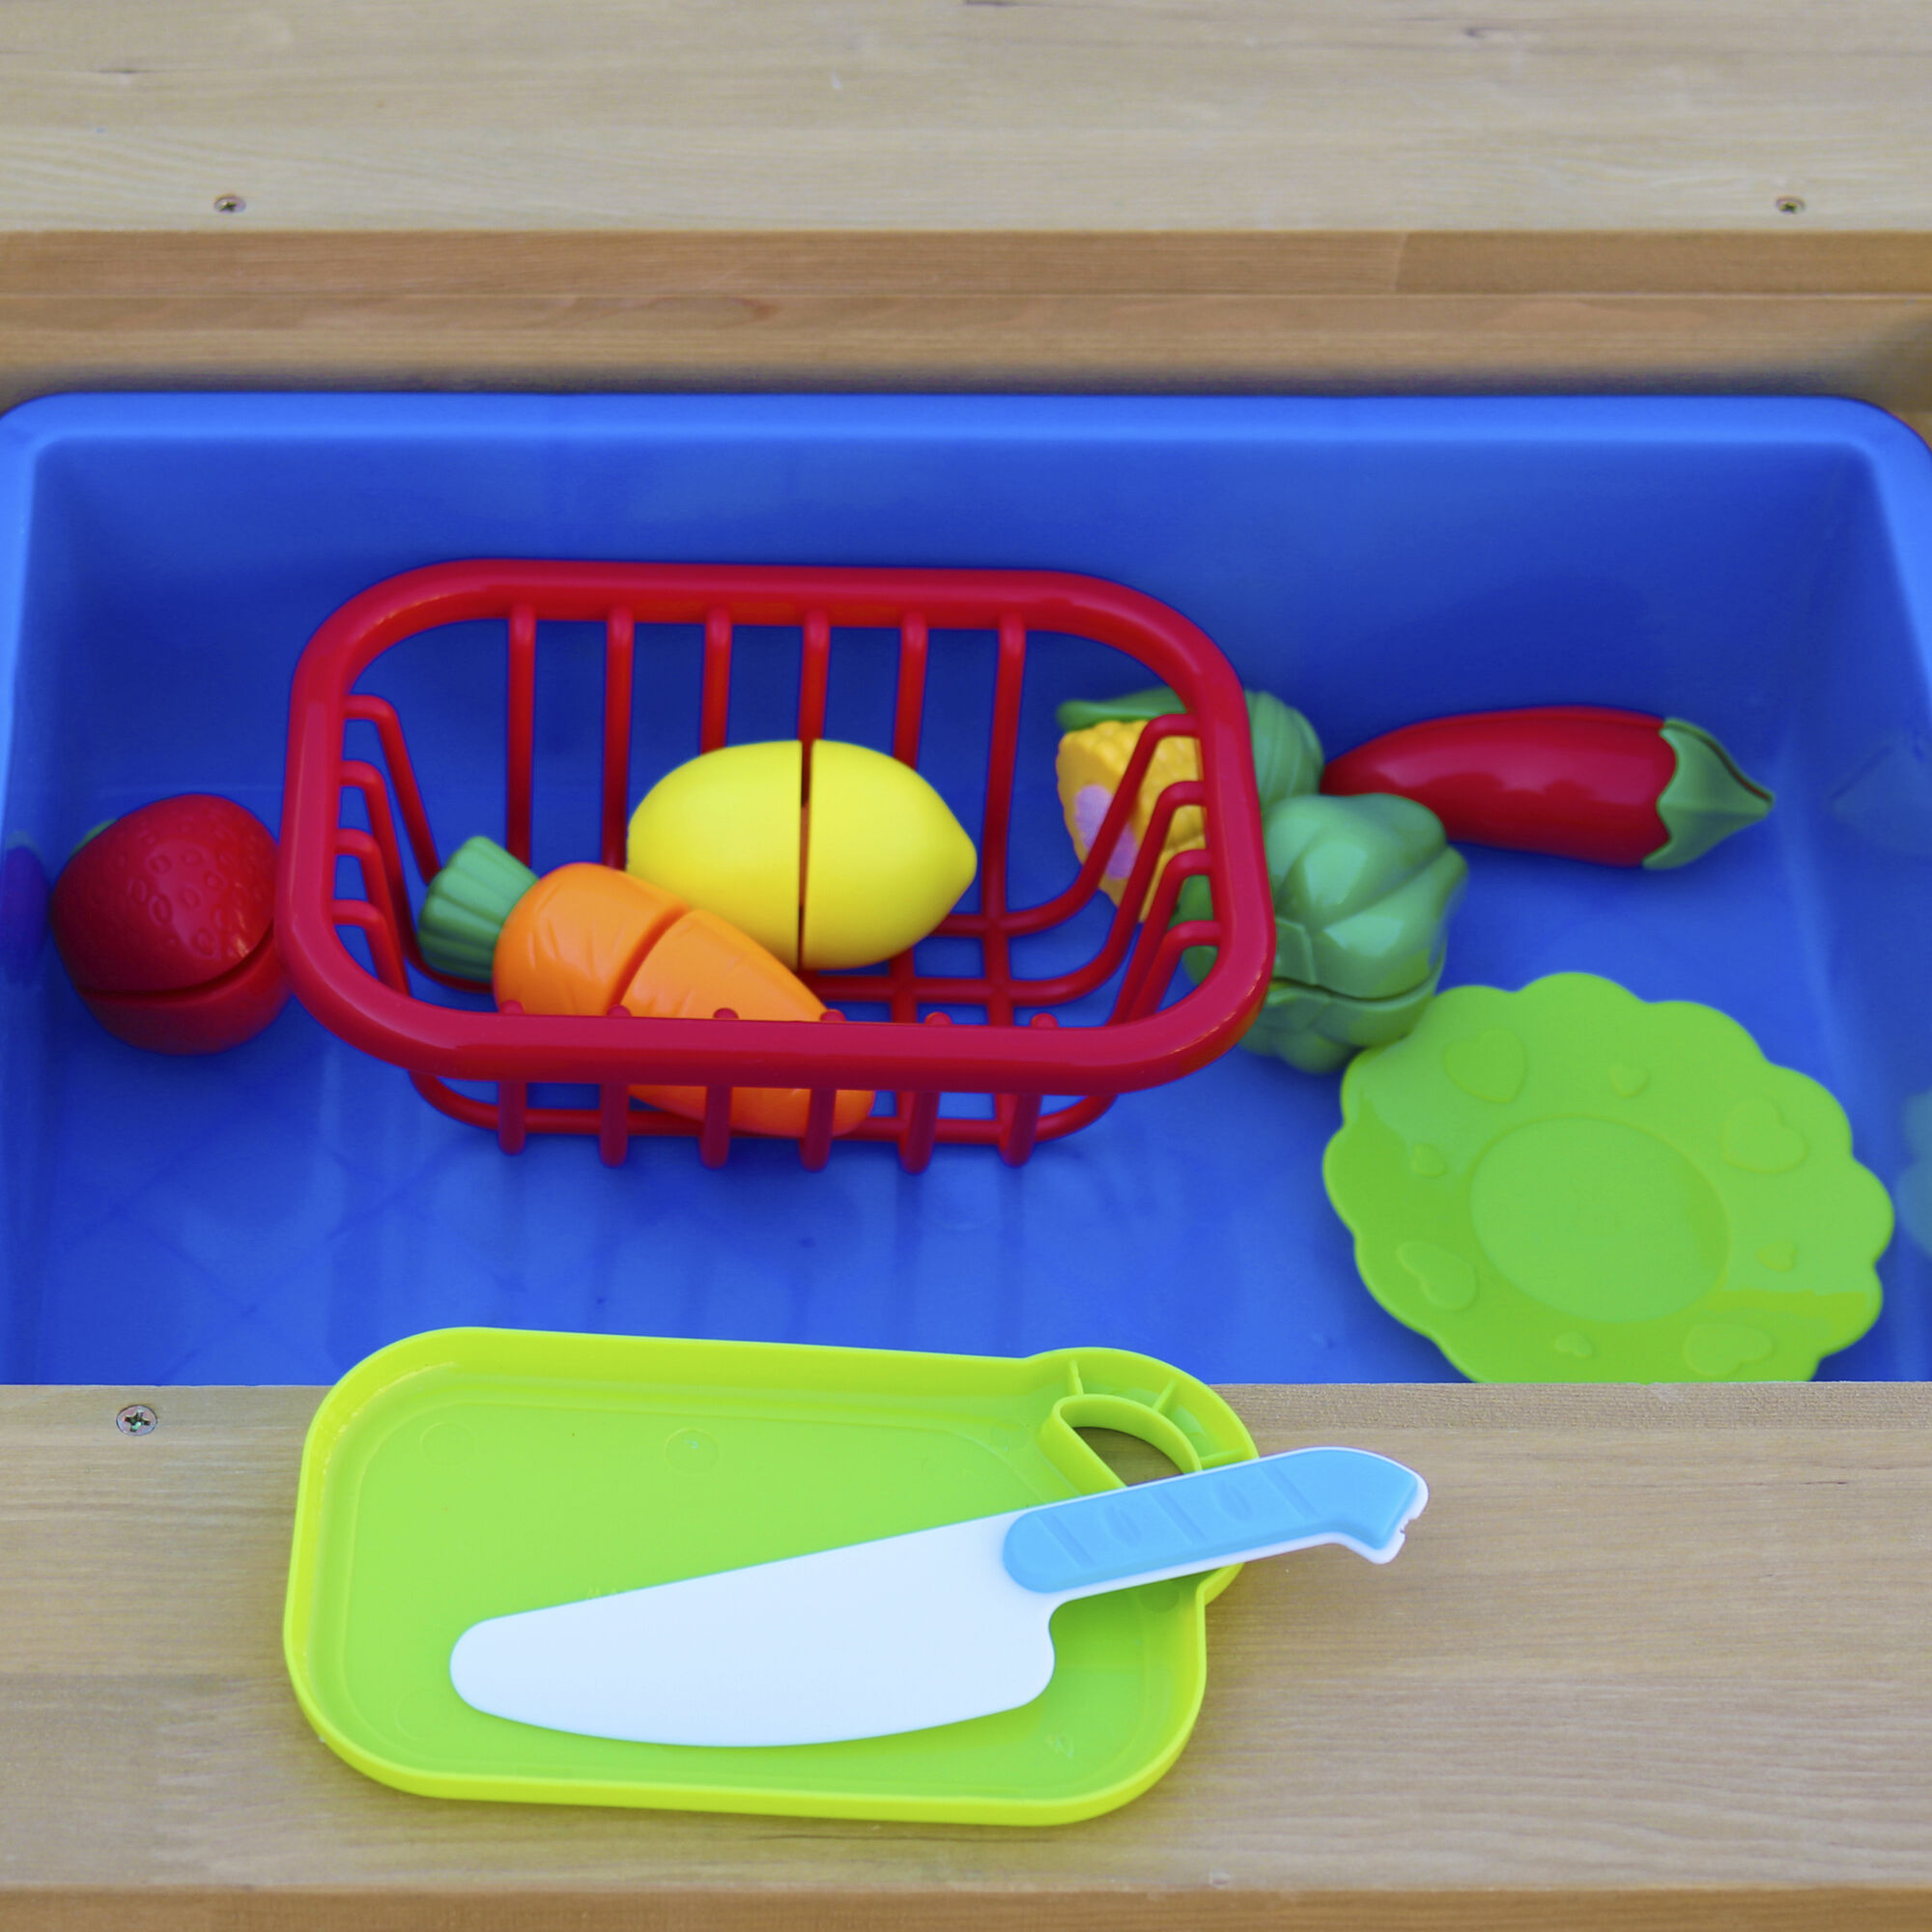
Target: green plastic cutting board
<point x="471" y="1472"/>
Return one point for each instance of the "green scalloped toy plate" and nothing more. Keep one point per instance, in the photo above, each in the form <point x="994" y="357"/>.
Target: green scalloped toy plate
<point x="469" y="1472"/>
<point x="1567" y="1183"/>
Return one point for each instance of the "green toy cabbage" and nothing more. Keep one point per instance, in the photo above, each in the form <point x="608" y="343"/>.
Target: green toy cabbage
<point x="1363" y="888"/>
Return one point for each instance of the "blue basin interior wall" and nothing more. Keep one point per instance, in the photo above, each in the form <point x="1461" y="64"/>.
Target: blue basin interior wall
<point x="273" y="1214"/>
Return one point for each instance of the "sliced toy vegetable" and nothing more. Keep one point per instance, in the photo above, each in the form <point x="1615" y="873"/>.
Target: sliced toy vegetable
<point x="885" y="859"/>
<point x="1099" y="741"/>
<point x="164" y="920"/>
<point x="1288" y="754"/>
<point x="830" y="853"/>
<point x="1088" y="768"/>
<point x="586" y="939"/>
<point x="1581" y="781"/>
<point x="1363" y="889"/>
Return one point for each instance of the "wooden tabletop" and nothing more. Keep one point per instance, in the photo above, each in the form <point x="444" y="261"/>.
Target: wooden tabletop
<point x="1652" y="1658"/>
<point x="991" y="115"/>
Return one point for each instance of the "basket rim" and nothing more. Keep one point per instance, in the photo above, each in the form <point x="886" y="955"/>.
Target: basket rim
<point x="452" y="1043"/>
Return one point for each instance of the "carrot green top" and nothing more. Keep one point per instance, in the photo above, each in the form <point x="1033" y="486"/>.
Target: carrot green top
<point x="468" y="903"/>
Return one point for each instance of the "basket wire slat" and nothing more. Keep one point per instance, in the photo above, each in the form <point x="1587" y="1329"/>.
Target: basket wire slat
<point x="619" y="661"/>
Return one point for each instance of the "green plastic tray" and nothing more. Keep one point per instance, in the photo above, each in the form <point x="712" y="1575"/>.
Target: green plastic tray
<point x="469" y="1472"/>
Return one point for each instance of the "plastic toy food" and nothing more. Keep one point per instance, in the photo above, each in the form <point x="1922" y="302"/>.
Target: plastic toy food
<point x="164" y="921"/>
<point x="832" y="853"/>
<point x="1363" y="889"/>
<point x="586" y="939"/>
<point x="1621" y="787"/>
<point x="1100" y="740"/>
<point x="1568" y="1184"/>
<point x="911" y="1631"/>
<point x="1089" y="768"/>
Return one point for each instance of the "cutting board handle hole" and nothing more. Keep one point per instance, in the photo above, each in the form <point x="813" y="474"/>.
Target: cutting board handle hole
<point x="1098" y="1441"/>
<point x="1130" y="1458"/>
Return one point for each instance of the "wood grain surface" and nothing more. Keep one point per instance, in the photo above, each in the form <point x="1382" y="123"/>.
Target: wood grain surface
<point x="1845" y="314"/>
<point x="958" y="114"/>
<point x="1653" y="1658"/>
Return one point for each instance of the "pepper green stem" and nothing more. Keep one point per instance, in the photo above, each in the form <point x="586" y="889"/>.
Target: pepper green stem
<point x="1707" y="799"/>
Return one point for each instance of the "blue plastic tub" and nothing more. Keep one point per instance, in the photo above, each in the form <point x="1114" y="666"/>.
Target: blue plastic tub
<point x="1763" y="567"/>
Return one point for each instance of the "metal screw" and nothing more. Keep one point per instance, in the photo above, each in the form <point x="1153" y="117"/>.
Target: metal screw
<point x="1790" y="204"/>
<point x="136" y="1419"/>
<point x="229" y="204"/>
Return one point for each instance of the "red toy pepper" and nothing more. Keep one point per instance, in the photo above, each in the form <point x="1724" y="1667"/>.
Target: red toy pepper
<point x="1621" y="787"/>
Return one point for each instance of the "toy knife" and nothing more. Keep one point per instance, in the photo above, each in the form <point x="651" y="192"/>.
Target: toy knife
<point x="911" y="1630"/>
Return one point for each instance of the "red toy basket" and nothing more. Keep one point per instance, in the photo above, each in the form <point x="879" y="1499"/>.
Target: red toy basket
<point x="1021" y="1055"/>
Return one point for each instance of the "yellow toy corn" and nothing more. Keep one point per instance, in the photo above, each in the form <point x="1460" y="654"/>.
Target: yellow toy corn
<point x="1100" y="739"/>
<point x="1090" y="767"/>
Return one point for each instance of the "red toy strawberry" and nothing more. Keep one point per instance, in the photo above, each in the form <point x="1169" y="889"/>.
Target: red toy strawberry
<point x="165" y="922"/>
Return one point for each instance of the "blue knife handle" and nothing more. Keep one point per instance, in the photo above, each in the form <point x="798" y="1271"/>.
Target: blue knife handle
<point x="1215" y="1517"/>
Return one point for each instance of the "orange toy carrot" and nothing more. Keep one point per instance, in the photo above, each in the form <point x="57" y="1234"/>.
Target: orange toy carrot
<point x="572" y="941"/>
<point x="586" y="939"/>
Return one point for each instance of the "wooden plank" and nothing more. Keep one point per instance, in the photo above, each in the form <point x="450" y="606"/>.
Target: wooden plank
<point x="1654" y="1656"/>
<point x="1232" y="313"/>
<point x="641" y="264"/>
<point x="661" y="1909"/>
<point x="1876" y="349"/>
<point x="1114" y="114"/>
<point x="1788" y="263"/>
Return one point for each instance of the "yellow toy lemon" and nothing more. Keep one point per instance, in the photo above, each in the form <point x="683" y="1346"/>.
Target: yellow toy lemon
<point x="885" y="861"/>
<point x="720" y="833"/>
<point x="838" y="858"/>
